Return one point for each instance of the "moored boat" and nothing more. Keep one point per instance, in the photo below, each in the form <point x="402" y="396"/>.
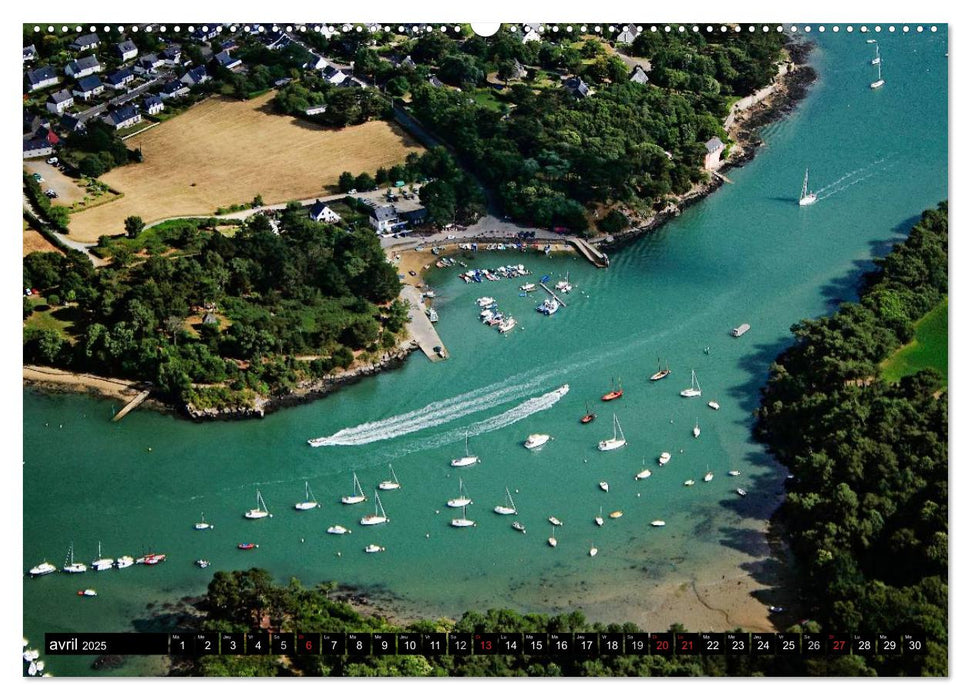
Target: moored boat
<point x="358" y="495"/>
<point x="88" y="593"/>
<point x="734" y="472"/>
<point x="372" y="548"/>
<point x="246" y="545"/>
<point x="43" y="569"/>
<point x="741" y="330"/>
<point x="202" y="524"/>
<point x="664" y="458"/>
<point x="337" y="530"/>
<point x="309" y="501"/>
<point x="203" y="563"/>
<point x="604" y="486"/>
<point x="617" y="514"/>
<point x="658" y="523"/>
<point x="71" y="566"/>
<point x="518" y="526"/>
<point x="535" y="441"/>
<point x="714" y="404"/>
<point x="661" y="373"/>
<point x="392" y="483"/>
<point x="593" y="551"/>
<point x="463" y="521"/>
<point x="507" y="508"/>
<point x="614" y="442"/>
<point x="462" y="500"/>
<point x="102" y="563"/>
<point x="741" y="492"/>
<point x="588" y="416"/>
<point x="689" y="482"/>
<point x="615" y="393"/>
<point x="151" y="559"/>
<point x="599" y="519"/>
<point x="555" y="521"/>
<point x="124" y="562"/>
<point x="379" y="515"/>
<point x="260" y="511"/>
<point x="696" y="431"/>
<point x="694" y="389"/>
<point x="709" y="476"/>
<point x="469" y="459"/>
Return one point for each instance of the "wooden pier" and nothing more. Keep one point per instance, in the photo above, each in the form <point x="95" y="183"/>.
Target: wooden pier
<point x="131" y="405"/>
<point x="589" y="252"/>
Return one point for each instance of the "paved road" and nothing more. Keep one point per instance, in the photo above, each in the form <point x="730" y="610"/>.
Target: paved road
<point x="75" y="245"/>
<point x="419" y="327"/>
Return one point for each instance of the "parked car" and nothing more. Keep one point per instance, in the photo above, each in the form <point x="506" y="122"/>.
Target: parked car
<point x="51" y="193"/>
<point x="52" y="160"/>
<point x="38" y="178"/>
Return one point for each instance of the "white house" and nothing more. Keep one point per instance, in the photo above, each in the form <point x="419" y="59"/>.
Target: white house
<point x="321" y="212"/>
<point x="88" y="87"/>
<point x="153" y="104"/>
<point x="85" y="42"/>
<point x="122" y="117"/>
<point x="334" y="75"/>
<point x="195" y="76"/>
<point x="638" y="75"/>
<point x="383" y="219"/>
<point x="30" y="53"/>
<point x="41" y="77"/>
<point x="35" y="148"/>
<point x="713" y="148"/>
<point x="126" y="50"/>
<point x="173" y="89"/>
<point x="227" y="61"/>
<point x="119" y="79"/>
<point x="81" y="67"/>
<point x="59" y="101"/>
<point x="627" y="34"/>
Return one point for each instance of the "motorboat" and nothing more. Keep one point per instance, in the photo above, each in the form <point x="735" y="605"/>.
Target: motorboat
<point x="246" y="545"/>
<point x="43" y="569"/>
<point x="658" y="523"/>
<point x="379" y="516"/>
<point x="203" y="563"/>
<point x="518" y="526"/>
<point x="593" y="551"/>
<point x="696" y="431"/>
<point x="507" y="324"/>
<point x="309" y="502"/>
<point x="614" y="442"/>
<point x="124" y="562"/>
<point x="548" y="307"/>
<point x="741" y="492"/>
<point x="556" y="522"/>
<point x="734" y="472"/>
<point x="88" y="593"/>
<point x="338" y="530"/>
<point x="260" y="511"/>
<point x="664" y="458"/>
<point x="617" y="514"/>
<point x="604" y="486"/>
<point x="741" y="330"/>
<point x="528" y="287"/>
<point x="709" y="476"/>
<point x="372" y="548"/>
<point x="689" y="482"/>
<point x="151" y="559"/>
<point x="536" y="440"/>
<point x="485" y="301"/>
<point x="358" y="495"/>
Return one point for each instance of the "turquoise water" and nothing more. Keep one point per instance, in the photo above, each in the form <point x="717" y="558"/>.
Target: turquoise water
<point x="746" y="254"/>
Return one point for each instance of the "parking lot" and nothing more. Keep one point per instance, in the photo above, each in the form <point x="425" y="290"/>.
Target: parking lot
<point x="67" y="189"/>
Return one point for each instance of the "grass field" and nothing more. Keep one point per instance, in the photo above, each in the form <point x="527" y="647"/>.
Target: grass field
<point x="229" y="151"/>
<point x="36" y="243"/>
<point x="928" y="349"/>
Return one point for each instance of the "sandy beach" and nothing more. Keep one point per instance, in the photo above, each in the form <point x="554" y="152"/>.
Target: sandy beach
<point x="62" y="380"/>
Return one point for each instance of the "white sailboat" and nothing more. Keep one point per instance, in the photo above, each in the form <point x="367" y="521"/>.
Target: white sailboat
<point x="357" y="497"/>
<point x="694" y="389"/>
<point x="556" y="522"/>
<point x="593" y="551"/>
<point x="697" y="429"/>
<point x="260" y="511"/>
<point x="604" y="486"/>
<point x="71" y="566"/>
<point x="709" y="476"/>
<point x="600" y="518"/>
<point x="614" y="442"/>
<point x="392" y="483"/>
<point x="202" y="524"/>
<point x="664" y="458"/>
<point x="508" y="508"/>
<point x="376" y="519"/>
<point x="310" y="501"/>
<point x="463" y="521"/>
<point x="469" y="459"/>
<point x="462" y="500"/>
<point x="807" y="197"/>
<point x="878" y="83"/>
<point x="552" y="540"/>
<point x="102" y="563"/>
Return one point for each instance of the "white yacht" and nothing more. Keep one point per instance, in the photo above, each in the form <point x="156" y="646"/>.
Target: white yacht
<point x="102" y="563"/>
<point x="664" y="458"/>
<point x="485" y="301"/>
<point x="124" y="562"/>
<point x="548" y="307"/>
<point x="552" y="539"/>
<point x="806" y="197"/>
<point x="309" y="501"/>
<point x="463" y="521"/>
<point x="535" y="441"/>
<point x="734" y="472"/>
<point x="392" y="483"/>
<point x="614" y="442"/>
<point x="528" y="287"/>
<point x="556" y="522"/>
<point x="338" y="530"/>
<point x="714" y="405"/>
<point x="469" y="459"/>
<point x="593" y="551"/>
<point x="507" y="324"/>
<point x="696" y="431"/>
<point x="358" y="495"/>
<point x="43" y="569"/>
<point x="599" y="519"/>
<point x="462" y="500"/>
<point x="658" y="523"/>
<point x="689" y="482"/>
<point x="372" y="548"/>
<point x="694" y="389"/>
<point x="379" y="516"/>
<point x="643" y="473"/>
<point x="71" y="566"/>
<point x="604" y="486"/>
<point x="260" y="511"/>
<point x="202" y="524"/>
<point x="709" y="476"/>
<point x="509" y="507"/>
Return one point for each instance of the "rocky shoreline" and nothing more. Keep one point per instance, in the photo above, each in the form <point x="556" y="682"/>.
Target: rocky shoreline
<point x="789" y="89"/>
<point x="305" y="392"/>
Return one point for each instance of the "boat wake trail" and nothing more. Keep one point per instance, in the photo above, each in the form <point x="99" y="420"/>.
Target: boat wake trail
<point x="436" y="413"/>
<point x="849" y="175"/>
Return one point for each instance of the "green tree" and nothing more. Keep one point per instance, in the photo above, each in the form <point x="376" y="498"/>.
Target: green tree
<point x="134" y="226"/>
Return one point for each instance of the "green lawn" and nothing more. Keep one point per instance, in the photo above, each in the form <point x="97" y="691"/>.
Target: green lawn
<point x="487" y="98"/>
<point x="49" y="320"/>
<point x="928" y="349"/>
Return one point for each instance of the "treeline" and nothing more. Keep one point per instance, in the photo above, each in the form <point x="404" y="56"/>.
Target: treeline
<point x="866" y="509"/>
<point x="313" y="289"/>
<point x="242" y="601"/>
<point x="56" y="215"/>
<point x="450" y="194"/>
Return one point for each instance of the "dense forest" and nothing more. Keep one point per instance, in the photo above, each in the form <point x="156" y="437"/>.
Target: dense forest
<point x="213" y="319"/>
<point x="866" y="509"/>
